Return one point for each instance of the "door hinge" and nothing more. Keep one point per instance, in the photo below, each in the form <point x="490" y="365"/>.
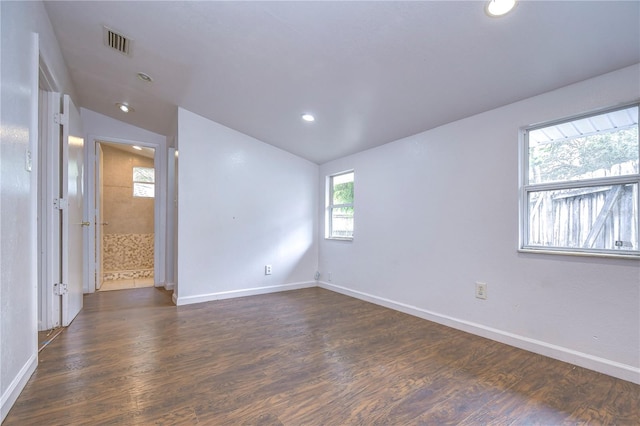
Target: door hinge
<point x="59" y="289"/>
<point x="60" y="203"/>
<point x="60" y="118"/>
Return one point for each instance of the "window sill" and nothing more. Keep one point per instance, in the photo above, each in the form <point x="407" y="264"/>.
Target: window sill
<point x="339" y="238"/>
<point x="625" y="255"/>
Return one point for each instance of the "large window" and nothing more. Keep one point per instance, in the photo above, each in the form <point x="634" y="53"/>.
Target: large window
<point x="339" y="220"/>
<point x="143" y="182"/>
<point x="580" y="184"/>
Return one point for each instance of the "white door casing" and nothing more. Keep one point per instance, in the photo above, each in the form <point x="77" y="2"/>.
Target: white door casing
<point x="51" y="215"/>
<point x="160" y="207"/>
<point x="99" y="216"/>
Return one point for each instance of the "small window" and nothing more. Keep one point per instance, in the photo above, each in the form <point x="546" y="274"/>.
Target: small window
<point x="143" y="182"/>
<point x="580" y="184"/>
<point x="339" y="220"/>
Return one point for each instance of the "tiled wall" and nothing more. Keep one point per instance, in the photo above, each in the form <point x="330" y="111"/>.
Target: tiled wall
<point x="124" y="213"/>
<point x="127" y="256"/>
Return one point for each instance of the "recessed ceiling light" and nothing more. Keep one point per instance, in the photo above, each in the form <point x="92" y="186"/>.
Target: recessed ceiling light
<point x="145" y="77"/>
<point x="308" y="117"/>
<point x="499" y="7"/>
<point x="136" y="147"/>
<point x="124" y="107"/>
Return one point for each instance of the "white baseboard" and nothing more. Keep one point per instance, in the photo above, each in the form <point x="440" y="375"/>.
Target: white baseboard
<point x="601" y="365"/>
<point x="10" y="396"/>
<point x="187" y="300"/>
<point x="169" y="286"/>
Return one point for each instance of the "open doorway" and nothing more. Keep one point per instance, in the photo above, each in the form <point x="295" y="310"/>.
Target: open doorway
<point x="125" y="221"/>
<point x="61" y="224"/>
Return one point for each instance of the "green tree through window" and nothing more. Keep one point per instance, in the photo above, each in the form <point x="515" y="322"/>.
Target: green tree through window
<point x="583" y="157"/>
<point x="340" y="212"/>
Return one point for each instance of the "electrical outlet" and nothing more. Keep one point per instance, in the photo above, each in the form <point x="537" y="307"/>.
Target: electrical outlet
<point x="329" y="276"/>
<point x="481" y="290"/>
<point x="267" y="269"/>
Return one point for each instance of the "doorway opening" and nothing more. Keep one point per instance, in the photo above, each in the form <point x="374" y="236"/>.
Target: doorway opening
<point x="125" y="219"/>
<point x="61" y="224"/>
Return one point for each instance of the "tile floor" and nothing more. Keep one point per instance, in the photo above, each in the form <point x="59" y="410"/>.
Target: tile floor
<point x="126" y="284"/>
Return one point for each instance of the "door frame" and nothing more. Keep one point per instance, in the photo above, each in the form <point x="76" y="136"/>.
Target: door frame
<point x="49" y="231"/>
<point x="159" y="212"/>
<point x="52" y="228"/>
<point x="98" y="218"/>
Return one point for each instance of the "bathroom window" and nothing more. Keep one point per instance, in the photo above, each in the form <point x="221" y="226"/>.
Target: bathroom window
<point x="144" y="182"/>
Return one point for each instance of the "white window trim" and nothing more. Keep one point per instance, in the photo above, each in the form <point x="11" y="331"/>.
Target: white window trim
<point x="525" y="188"/>
<point x="329" y="207"/>
<point x="143" y="182"/>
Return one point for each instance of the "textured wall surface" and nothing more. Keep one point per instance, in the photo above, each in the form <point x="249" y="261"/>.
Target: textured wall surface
<point x="20" y="22"/>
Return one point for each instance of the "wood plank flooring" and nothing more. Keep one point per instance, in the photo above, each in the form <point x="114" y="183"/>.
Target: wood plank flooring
<point x="303" y="357"/>
<point x="47" y="336"/>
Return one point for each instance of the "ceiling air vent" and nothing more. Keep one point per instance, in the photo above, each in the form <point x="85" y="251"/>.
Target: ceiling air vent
<point x="117" y="41"/>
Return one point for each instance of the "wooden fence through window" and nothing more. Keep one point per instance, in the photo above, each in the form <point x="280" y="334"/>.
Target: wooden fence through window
<point x="602" y="217"/>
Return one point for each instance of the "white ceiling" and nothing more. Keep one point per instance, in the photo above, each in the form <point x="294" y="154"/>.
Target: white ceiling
<point x="143" y="151"/>
<point x="371" y="72"/>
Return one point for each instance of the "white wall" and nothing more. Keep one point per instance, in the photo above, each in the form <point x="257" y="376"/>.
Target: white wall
<point x="438" y="211"/>
<point x="242" y="204"/>
<point x="99" y="127"/>
<point x="172" y="206"/>
<point x="18" y="188"/>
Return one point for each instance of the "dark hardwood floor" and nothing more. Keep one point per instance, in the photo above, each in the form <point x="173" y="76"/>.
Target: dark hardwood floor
<point x="46" y="337"/>
<point x="304" y="357"/>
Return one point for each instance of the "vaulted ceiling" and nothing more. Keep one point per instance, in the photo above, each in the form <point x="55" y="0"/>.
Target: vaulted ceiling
<point x="370" y="72"/>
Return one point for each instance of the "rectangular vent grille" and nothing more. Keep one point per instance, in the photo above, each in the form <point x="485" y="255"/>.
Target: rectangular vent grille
<point x="117" y="41"/>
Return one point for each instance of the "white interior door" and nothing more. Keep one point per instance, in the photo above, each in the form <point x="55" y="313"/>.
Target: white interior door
<point x="73" y="224"/>
<point x="99" y="215"/>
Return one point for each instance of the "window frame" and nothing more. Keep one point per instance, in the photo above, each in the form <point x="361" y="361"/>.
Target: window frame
<point x="134" y="181"/>
<point x="526" y="188"/>
<point x="330" y="206"/>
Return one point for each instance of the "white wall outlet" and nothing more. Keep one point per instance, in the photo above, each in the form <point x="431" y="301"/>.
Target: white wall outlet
<point x="267" y="269"/>
<point x="329" y="276"/>
<point x="481" y="290"/>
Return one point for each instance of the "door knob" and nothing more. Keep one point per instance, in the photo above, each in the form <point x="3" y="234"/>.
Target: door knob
<point x="85" y="223"/>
